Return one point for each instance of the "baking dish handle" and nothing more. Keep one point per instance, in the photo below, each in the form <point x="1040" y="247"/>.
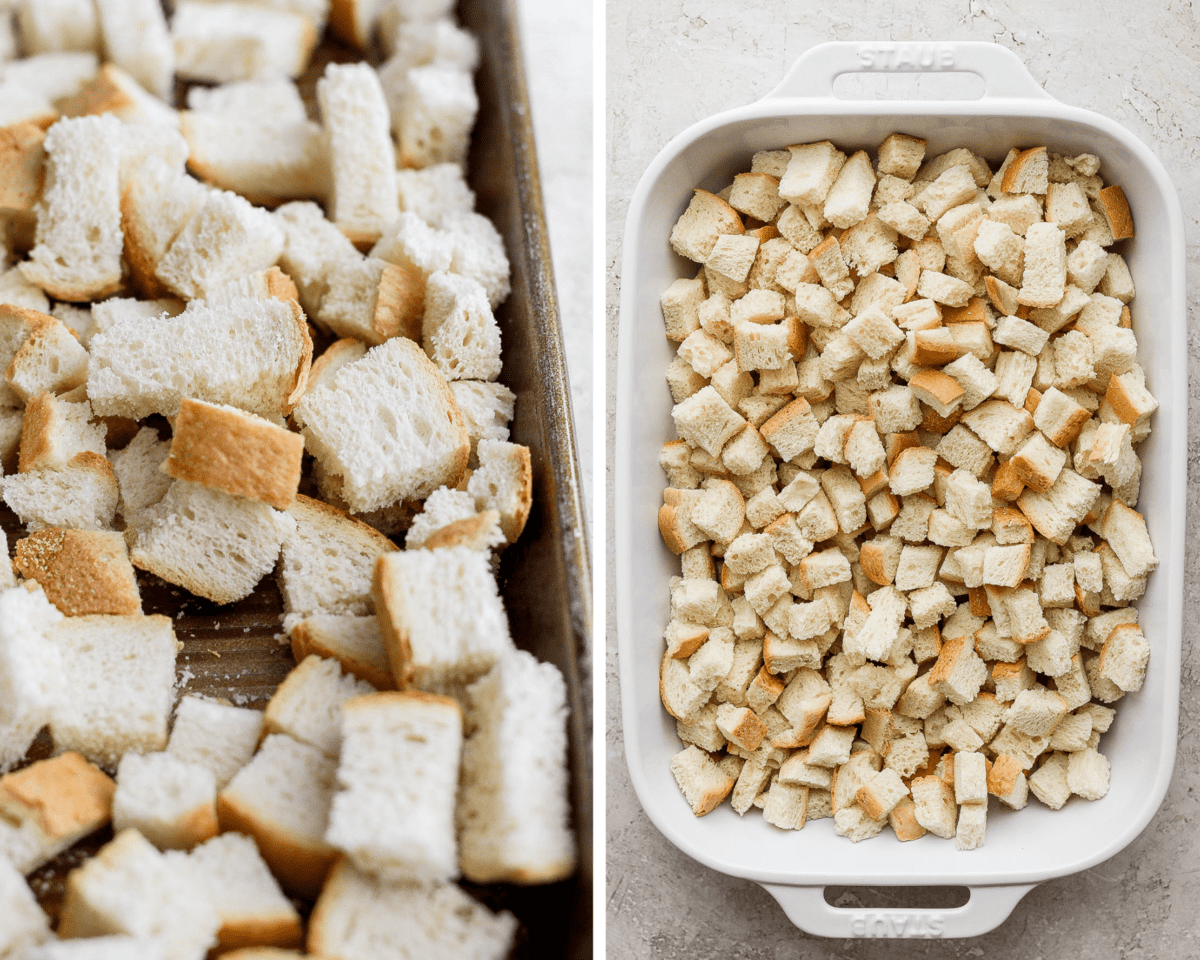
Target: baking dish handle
<point x="1002" y="72"/>
<point x="986" y="910"/>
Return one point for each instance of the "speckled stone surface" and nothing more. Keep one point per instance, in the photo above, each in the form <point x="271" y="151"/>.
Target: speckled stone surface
<point x="673" y="62"/>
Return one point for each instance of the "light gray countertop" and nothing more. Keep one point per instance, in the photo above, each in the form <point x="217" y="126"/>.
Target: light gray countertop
<point x="673" y="62"/>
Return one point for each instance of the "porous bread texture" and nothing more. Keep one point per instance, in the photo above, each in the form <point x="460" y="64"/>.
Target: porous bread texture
<point x="442" y="618"/>
<point x="307" y="705"/>
<point x="254" y="354"/>
<point x="118" y="685"/>
<point x="54" y="430"/>
<point x="433" y="110"/>
<point x="363" y="199"/>
<point x="434" y="192"/>
<point x="237" y="883"/>
<point x="393" y="812"/>
<point x="281" y="799"/>
<point x="155" y="206"/>
<point x="135" y="37"/>
<point x="78" y="243"/>
<point x="31" y="670"/>
<point x="355" y="642"/>
<point x="211" y="543"/>
<point x="426" y="33"/>
<point x="173" y="804"/>
<point x="228" y="449"/>
<point x="328" y="561"/>
<point x="81" y="495"/>
<point x="503" y="482"/>
<point x="430" y="921"/>
<point x="39" y="354"/>
<point x="451" y="518"/>
<point x="140" y="480"/>
<point x="458" y="331"/>
<point x="388" y="426"/>
<point x="313" y="247"/>
<point x="479" y="253"/>
<point x="225" y="239"/>
<point x="129" y="887"/>
<point x="81" y="571"/>
<point x="217" y="736"/>
<point x="276" y="99"/>
<point x="224" y="42"/>
<point x="512" y="811"/>
<point x="266" y="160"/>
<point x="965" y="461"/>
<point x="487" y="410"/>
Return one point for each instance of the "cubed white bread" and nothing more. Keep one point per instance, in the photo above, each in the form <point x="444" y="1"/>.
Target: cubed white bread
<point x="136" y="466"/>
<point x="81" y="571"/>
<point x="355" y="642"/>
<point x="307" y="705"/>
<point x="216" y="736"/>
<point x="504" y="482"/>
<point x="18" y="291"/>
<point x="55" y="430"/>
<point x="393" y="812"/>
<point x="77" y="255"/>
<point x="50" y="805"/>
<point x="55" y="26"/>
<point x="426" y="33"/>
<point x="410" y="242"/>
<point x="237" y="883"/>
<point x="479" y="253"/>
<point x="328" y="561"/>
<point x="336" y="356"/>
<point x="443" y="622"/>
<point x="24" y="922"/>
<point x="209" y="542"/>
<point x="450" y="518"/>
<point x="116" y="91"/>
<point x="370" y="299"/>
<point x="388" y="426"/>
<point x="363" y="198"/>
<point x="224" y="42"/>
<point x="144" y="141"/>
<point x="82" y="495"/>
<point x="155" y="206"/>
<point x="282" y="799"/>
<point x="45" y="356"/>
<point x="131" y="888"/>
<point x="52" y="75"/>
<point x="275" y="100"/>
<point x="438" y="921"/>
<point x="313" y="248"/>
<point x="226" y="239"/>
<point x="212" y="353"/>
<point x="267" y="162"/>
<point x="230" y="450"/>
<point x="434" y="192"/>
<point x="458" y="330"/>
<point x="172" y="803"/>
<point x="134" y="34"/>
<point x="433" y="110"/>
<point x="118" y="687"/>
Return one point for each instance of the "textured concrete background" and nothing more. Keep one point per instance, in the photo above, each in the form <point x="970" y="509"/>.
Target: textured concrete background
<point x="673" y="62"/>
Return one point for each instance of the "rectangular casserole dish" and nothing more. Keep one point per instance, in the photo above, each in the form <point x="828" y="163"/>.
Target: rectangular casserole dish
<point x="545" y="578"/>
<point x="1022" y="848"/>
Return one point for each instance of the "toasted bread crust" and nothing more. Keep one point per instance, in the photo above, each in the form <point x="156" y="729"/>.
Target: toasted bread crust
<point x="142" y="264"/>
<point x="299" y="863"/>
<point x="66" y="797"/>
<point x="463" y="533"/>
<point x="389" y="608"/>
<point x="81" y="571"/>
<point x="22" y="166"/>
<point x="232" y="451"/>
<point x="399" y="304"/>
<point x="305" y="643"/>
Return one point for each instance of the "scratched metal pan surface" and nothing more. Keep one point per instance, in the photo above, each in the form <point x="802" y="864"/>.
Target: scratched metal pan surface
<point x="545" y="578"/>
<point x="1022" y="848"/>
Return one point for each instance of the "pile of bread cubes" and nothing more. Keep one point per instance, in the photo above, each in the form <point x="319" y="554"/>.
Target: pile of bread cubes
<point x="167" y="271"/>
<point x="903" y="495"/>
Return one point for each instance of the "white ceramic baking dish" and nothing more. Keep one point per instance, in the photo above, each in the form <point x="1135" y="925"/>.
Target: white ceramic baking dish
<point x="1022" y="848"/>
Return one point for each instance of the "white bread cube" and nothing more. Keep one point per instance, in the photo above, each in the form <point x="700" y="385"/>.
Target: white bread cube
<point x="811" y="171"/>
<point x="849" y="197"/>
<point x="25" y="923"/>
<point x="81" y="495"/>
<point x="1049" y="782"/>
<point x="238" y="884"/>
<point x="1124" y="657"/>
<point x="363" y="198"/>
<point x="1088" y="774"/>
<point x="1045" y="276"/>
<point x="212" y="543"/>
<point x="443" y="621"/>
<point x="438" y="921"/>
<point x="172" y="803"/>
<point x="213" y="735"/>
<point x="934" y="805"/>
<point x="398" y="835"/>
<point x="109" y="662"/>
<point x="307" y="705"/>
<point x="433" y="109"/>
<point x="970" y="778"/>
<point x="458" y="330"/>
<point x="134" y="36"/>
<point x="129" y="887"/>
<point x="972" y="825"/>
<point x="224" y="42"/>
<point x="77" y="255"/>
<point x="698" y="228"/>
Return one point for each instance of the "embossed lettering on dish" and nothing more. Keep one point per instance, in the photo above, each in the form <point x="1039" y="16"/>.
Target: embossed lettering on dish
<point x="906" y="56"/>
<point x="897" y="925"/>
